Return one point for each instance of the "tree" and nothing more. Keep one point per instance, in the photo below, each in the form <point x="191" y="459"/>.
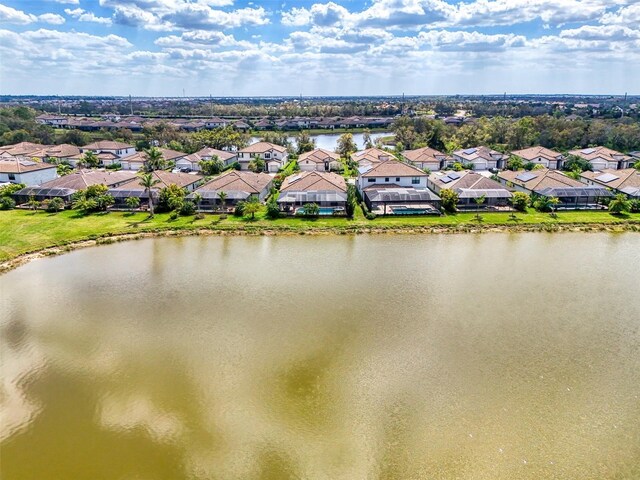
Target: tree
<point x="90" y="159"/>
<point x="257" y="165"/>
<point x="619" y="204"/>
<point x="346" y="145"/>
<point x="273" y="209"/>
<point x="132" y="203"/>
<point x="515" y="163"/>
<point x="7" y="203"/>
<point x="197" y="198"/>
<point x="311" y="209"/>
<point x="94" y="198"/>
<point x="479" y="201"/>
<point x="155" y="160"/>
<point x="251" y="206"/>
<point x="55" y="205"/>
<point x="637" y="165"/>
<point x="520" y="201"/>
<point x="366" y="138"/>
<point x="226" y="138"/>
<point x="352" y="201"/>
<point x="304" y="142"/>
<point x="148" y="181"/>
<point x="449" y="200"/>
<point x="211" y="167"/>
<point x="575" y="173"/>
<point x="171" y="197"/>
<point x="63" y="169"/>
<point x="223" y="199"/>
<point x="575" y="163"/>
<point x="545" y="204"/>
<point x="33" y="203"/>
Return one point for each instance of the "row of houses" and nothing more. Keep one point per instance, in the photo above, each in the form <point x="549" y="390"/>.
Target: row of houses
<point x="136" y="124"/>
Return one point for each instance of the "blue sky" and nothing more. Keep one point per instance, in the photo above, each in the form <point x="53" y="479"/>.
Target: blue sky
<point x="342" y="47"/>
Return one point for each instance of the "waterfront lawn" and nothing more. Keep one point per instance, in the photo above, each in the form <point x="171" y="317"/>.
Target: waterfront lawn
<point x="23" y="231"/>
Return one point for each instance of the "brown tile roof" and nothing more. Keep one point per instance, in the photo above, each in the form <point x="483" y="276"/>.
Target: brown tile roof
<point x="532" y="153"/>
<point x="484" y="153"/>
<point x="393" y="168"/>
<point x="373" y="155"/>
<point x="261" y="147"/>
<point x="166" y="179"/>
<point x="24" y="149"/>
<point x="234" y="180"/>
<point x="210" y="152"/>
<point x="84" y="178"/>
<point x="63" y="150"/>
<point x="314" y="181"/>
<point x="599" y="152"/>
<point x="425" y="154"/>
<point x="540" y="179"/>
<point x="319" y="155"/>
<point x="107" y="145"/>
<point x="628" y="177"/>
<point x="21" y="165"/>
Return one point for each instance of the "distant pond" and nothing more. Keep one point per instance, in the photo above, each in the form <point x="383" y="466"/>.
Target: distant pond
<point x="329" y="141"/>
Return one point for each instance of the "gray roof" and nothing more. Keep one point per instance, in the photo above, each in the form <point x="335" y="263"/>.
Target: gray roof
<point x="44" y="191"/>
<point x="586" y="191"/>
<point x="214" y="194"/>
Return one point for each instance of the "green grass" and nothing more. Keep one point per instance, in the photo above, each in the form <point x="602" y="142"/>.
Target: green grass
<point x="23" y="231"/>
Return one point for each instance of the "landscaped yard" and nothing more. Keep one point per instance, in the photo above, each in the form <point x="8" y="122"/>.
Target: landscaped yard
<point x="24" y="231"/>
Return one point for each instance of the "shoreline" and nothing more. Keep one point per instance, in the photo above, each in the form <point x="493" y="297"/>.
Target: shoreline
<point x="109" y="238"/>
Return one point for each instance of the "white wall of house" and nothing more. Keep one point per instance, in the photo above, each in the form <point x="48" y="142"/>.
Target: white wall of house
<point x="433" y="166"/>
<point x="184" y="163"/>
<point x="602" y="163"/>
<point x="121" y="152"/>
<point x="36" y="177"/>
<point x="309" y="166"/>
<point x="414" y="182"/>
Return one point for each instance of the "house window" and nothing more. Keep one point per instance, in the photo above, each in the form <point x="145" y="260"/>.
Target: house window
<point x="415" y="180"/>
<point x="397" y="179"/>
<point x="12" y="176"/>
<point x="371" y="180"/>
<point x="386" y="179"/>
<point x="267" y="155"/>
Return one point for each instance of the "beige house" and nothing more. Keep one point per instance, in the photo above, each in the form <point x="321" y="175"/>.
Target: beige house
<point x="192" y="162"/>
<point x="625" y="181"/>
<point x="469" y="186"/>
<point x="326" y="189"/>
<point x="238" y="186"/>
<point x="23" y="170"/>
<point x="319" y="160"/>
<point x="426" y="158"/>
<point x="134" y="188"/>
<point x="481" y="158"/>
<point x="540" y="156"/>
<point x="119" y="149"/>
<point x="371" y="156"/>
<point x="137" y="160"/>
<point x="603" y="158"/>
<point x="274" y="156"/>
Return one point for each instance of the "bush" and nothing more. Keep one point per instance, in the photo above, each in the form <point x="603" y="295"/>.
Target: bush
<point x="173" y="216"/>
<point x="238" y="211"/>
<point x="449" y="200"/>
<point x="634" y="206"/>
<point x="273" y="210"/>
<point x="114" y="166"/>
<point x="187" y="208"/>
<point x="8" y="190"/>
<point x="520" y="201"/>
<point x="199" y="216"/>
<point x="7" y="203"/>
<point x="55" y="205"/>
<point x="222" y="217"/>
<point x="370" y="216"/>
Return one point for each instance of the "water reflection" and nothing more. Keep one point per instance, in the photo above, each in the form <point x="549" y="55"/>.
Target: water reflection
<point x="484" y="357"/>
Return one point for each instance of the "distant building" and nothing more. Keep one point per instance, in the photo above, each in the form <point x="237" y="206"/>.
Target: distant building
<point x="119" y="149"/>
<point x="134" y="188"/>
<point x="541" y="156"/>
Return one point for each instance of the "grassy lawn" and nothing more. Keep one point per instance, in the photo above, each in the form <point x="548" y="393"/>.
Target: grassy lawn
<point x="23" y="231"/>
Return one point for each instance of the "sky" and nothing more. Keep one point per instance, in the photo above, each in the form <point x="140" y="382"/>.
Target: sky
<point x="341" y="47"/>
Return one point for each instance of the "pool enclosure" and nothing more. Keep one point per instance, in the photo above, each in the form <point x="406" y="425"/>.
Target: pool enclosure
<point x="589" y="197"/>
<point x="402" y="201"/>
<point x="330" y="202"/>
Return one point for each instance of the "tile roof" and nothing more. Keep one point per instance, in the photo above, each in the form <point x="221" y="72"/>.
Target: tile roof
<point x="425" y="154"/>
<point x="166" y="179"/>
<point x="234" y="180"/>
<point x="319" y="155"/>
<point x="261" y="147"/>
<point x="475" y="153"/>
<point x="84" y="178"/>
<point x="619" y="179"/>
<point x="107" y="145"/>
<point x="532" y="153"/>
<point x="20" y="165"/>
<point x="540" y="179"/>
<point x="373" y="155"/>
<point x="393" y="168"/>
<point x="599" y="152"/>
<point x="307" y="181"/>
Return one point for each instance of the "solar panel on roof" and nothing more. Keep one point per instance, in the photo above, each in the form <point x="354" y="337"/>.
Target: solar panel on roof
<point x="588" y="151"/>
<point x="27" y="163"/>
<point x="526" y="176"/>
<point x="445" y="179"/>
<point x="607" y="177"/>
<point x="469" y="151"/>
<point x="453" y="175"/>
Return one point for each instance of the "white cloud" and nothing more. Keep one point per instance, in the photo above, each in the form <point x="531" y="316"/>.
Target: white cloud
<point x="51" y="18"/>
<point x="625" y="16"/>
<point x="18" y="17"/>
<point x="84" y="16"/>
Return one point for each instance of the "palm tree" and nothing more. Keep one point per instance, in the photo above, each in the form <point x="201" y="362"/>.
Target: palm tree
<point x="90" y="159"/>
<point x="148" y="181"/>
<point x="251" y="206"/>
<point x="197" y="198"/>
<point x="619" y="204"/>
<point x="155" y="159"/>
<point x="479" y="201"/>
<point x="223" y="198"/>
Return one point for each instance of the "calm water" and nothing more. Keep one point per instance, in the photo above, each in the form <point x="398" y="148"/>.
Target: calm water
<point x="382" y="357"/>
<point x="330" y="141"/>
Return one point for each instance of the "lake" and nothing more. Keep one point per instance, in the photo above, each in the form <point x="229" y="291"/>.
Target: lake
<point x="494" y="356"/>
<point x="330" y="141"/>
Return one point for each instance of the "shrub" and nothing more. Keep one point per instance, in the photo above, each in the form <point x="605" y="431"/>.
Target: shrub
<point x="273" y="210"/>
<point x="222" y="217"/>
<point x="520" y="201"/>
<point x="239" y="210"/>
<point x="370" y="216"/>
<point x="55" y="205"/>
<point x="7" y="203"/>
<point x="10" y="189"/>
<point x="173" y="215"/>
<point x="199" y="216"/>
<point x="634" y="206"/>
<point x="449" y="200"/>
<point x="187" y="208"/>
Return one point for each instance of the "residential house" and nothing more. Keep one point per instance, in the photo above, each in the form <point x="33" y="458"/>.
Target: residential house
<point x="192" y="162"/>
<point x="371" y="156"/>
<point x="134" y="188"/>
<point x="319" y="160"/>
<point x="28" y="172"/>
<point x="602" y="158"/>
<point x="426" y="158"/>
<point x="238" y="186"/>
<point x="138" y="159"/>
<point x="396" y="188"/>
<point x="481" y="158"/>
<point x="215" y="122"/>
<point x="52" y="119"/>
<point x="274" y="156"/>
<point x="541" y="156"/>
<point x="64" y="187"/>
<point x="553" y="183"/>
<point x="326" y="189"/>
<point x="470" y="186"/>
<point x="118" y="149"/>
<point x="625" y="181"/>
